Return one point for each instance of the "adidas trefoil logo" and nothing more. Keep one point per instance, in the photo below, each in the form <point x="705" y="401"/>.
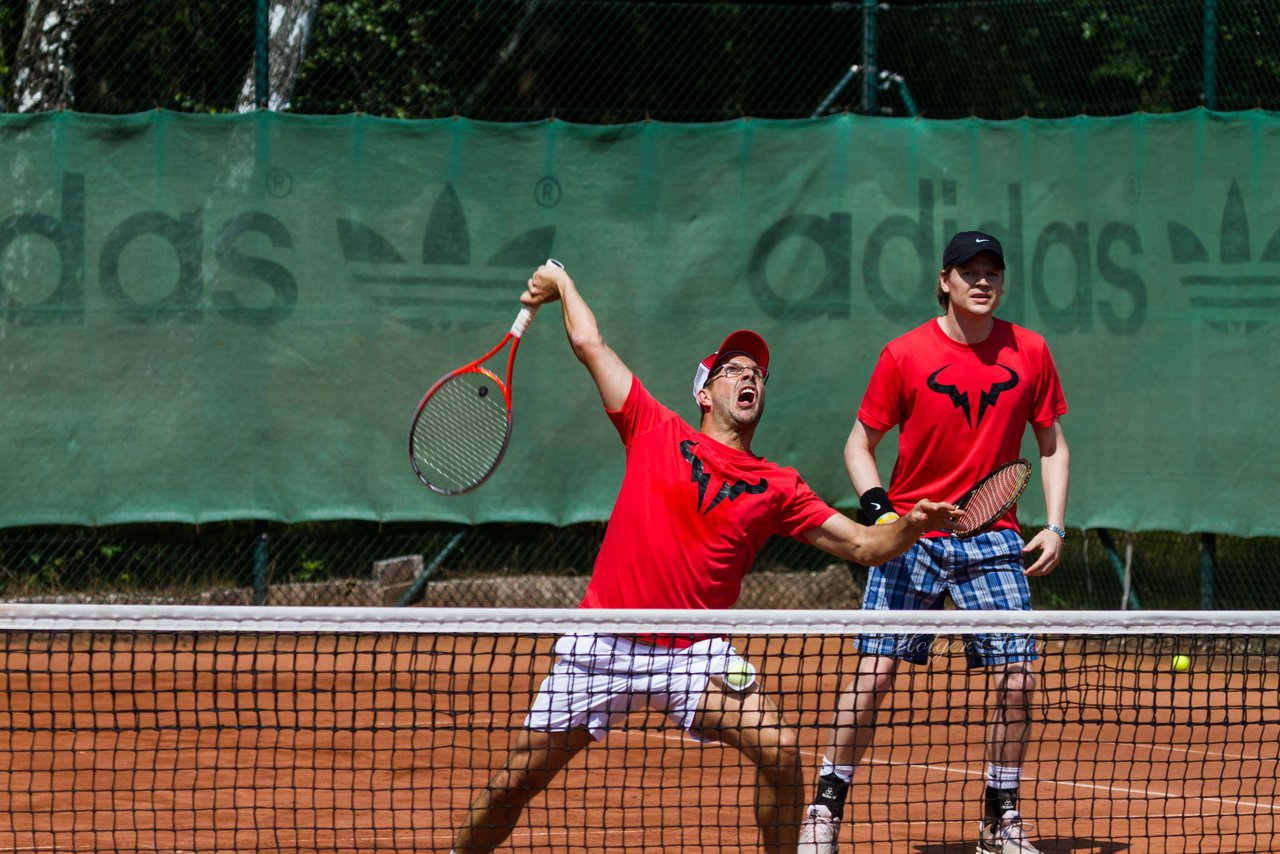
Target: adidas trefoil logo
<point x="1233" y="294"/>
<point x="447" y="291"/>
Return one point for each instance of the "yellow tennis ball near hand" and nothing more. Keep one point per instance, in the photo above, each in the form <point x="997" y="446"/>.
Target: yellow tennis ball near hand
<point x="1182" y="663"/>
<point x="739" y="675"/>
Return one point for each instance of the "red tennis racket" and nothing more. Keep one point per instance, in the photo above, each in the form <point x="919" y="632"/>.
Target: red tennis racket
<point x="463" y="424"/>
<point x="990" y="498"/>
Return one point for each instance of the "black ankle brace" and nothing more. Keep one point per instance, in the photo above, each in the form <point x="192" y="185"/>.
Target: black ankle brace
<point x="831" y="794"/>
<point x="1000" y="801"/>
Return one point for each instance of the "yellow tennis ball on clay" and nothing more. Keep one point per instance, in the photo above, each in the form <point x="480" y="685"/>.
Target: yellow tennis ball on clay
<point x="739" y="674"/>
<point x="1182" y="663"/>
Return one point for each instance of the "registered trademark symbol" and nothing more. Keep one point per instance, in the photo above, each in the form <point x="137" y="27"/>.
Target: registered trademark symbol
<point x="279" y="183"/>
<point x="547" y="192"/>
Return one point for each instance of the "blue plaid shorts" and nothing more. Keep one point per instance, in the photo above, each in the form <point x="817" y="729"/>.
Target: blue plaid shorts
<point x="984" y="573"/>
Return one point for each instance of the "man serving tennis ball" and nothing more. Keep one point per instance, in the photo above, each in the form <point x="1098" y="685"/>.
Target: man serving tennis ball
<point x="694" y="508"/>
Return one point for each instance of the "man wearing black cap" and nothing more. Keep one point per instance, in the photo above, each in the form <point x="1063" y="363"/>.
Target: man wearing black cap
<point x="694" y="508"/>
<point x="961" y="389"/>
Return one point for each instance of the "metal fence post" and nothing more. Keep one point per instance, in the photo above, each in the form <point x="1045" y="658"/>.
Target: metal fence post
<point x="1208" y="561"/>
<point x="415" y="590"/>
<point x="1123" y="568"/>
<point x="261" y="80"/>
<point x="835" y="92"/>
<point x="869" y="75"/>
<point x="260" y="559"/>
<point x="1211" y="54"/>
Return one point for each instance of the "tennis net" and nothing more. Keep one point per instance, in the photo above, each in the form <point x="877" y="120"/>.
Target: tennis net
<point x="344" y="730"/>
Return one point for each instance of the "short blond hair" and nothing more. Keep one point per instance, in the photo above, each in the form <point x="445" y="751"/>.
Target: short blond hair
<point x="942" y="296"/>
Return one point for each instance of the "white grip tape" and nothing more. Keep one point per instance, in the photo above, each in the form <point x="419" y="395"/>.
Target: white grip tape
<point x="525" y="317"/>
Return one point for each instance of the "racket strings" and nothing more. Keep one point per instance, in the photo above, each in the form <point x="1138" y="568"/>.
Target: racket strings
<point x="461" y="432"/>
<point x="992" y="498"/>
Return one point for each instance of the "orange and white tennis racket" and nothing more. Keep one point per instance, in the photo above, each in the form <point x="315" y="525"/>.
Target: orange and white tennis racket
<point x="463" y="424"/>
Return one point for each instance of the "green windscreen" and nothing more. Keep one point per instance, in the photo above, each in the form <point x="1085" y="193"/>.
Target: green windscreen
<point x="216" y="317"/>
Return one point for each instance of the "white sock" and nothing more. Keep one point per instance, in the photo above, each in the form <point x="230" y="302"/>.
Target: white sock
<point x="1003" y="776"/>
<point x="844" y="772"/>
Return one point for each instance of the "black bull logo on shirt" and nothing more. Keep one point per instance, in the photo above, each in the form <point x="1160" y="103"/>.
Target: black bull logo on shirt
<point x="701" y="477"/>
<point x="960" y="398"/>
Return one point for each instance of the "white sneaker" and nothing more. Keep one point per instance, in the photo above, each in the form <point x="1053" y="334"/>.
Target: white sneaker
<point x="1010" y="837"/>
<point x="820" y="831"/>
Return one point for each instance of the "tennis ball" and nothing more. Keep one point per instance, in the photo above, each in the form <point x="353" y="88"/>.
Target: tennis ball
<point x="1182" y="663"/>
<point x="739" y="675"/>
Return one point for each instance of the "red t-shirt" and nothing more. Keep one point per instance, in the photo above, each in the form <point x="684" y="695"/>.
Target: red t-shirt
<point x="961" y="410"/>
<point x="691" y="514"/>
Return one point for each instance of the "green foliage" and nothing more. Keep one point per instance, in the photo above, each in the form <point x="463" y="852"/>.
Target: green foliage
<point x="147" y="54"/>
<point x="10" y="32"/>
<point x="380" y="57"/>
<point x="614" y="61"/>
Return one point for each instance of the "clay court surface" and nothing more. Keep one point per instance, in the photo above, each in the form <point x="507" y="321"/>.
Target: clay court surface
<point x="302" y="743"/>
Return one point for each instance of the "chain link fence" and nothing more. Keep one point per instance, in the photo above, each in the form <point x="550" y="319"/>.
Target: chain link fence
<point x="526" y="566"/>
<point x="611" y="61"/>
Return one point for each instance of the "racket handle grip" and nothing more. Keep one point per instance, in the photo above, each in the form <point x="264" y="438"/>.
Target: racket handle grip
<point x="525" y="317"/>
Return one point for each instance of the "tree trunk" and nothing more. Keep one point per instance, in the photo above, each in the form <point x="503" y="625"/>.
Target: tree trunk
<point x="509" y="49"/>
<point x="289" y="31"/>
<point x="42" y="71"/>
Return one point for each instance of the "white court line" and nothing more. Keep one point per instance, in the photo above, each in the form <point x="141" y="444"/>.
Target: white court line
<point x="1206" y="752"/>
<point x="550" y="835"/>
<point x="964" y="771"/>
<point x="1127" y="790"/>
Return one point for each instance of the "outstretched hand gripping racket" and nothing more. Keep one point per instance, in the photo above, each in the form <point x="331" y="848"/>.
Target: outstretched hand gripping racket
<point x="990" y="498"/>
<point x="463" y="424"/>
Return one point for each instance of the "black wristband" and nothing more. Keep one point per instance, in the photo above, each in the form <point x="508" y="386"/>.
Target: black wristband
<point x="875" y="503"/>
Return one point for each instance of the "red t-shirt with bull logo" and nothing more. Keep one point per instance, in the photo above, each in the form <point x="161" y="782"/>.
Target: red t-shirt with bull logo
<point x="691" y="514"/>
<point x="961" y="409"/>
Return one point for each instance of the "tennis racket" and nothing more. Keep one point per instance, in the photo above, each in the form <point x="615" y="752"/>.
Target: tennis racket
<point x="990" y="498"/>
<point x="463" y="424"/>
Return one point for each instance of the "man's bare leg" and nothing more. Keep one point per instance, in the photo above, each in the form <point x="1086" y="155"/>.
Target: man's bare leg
<point x="534" y="760"/>
<point x="751" y="722"/>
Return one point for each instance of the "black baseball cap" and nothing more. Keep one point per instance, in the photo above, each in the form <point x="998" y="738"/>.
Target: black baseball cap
<point x="966" y="244"/>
